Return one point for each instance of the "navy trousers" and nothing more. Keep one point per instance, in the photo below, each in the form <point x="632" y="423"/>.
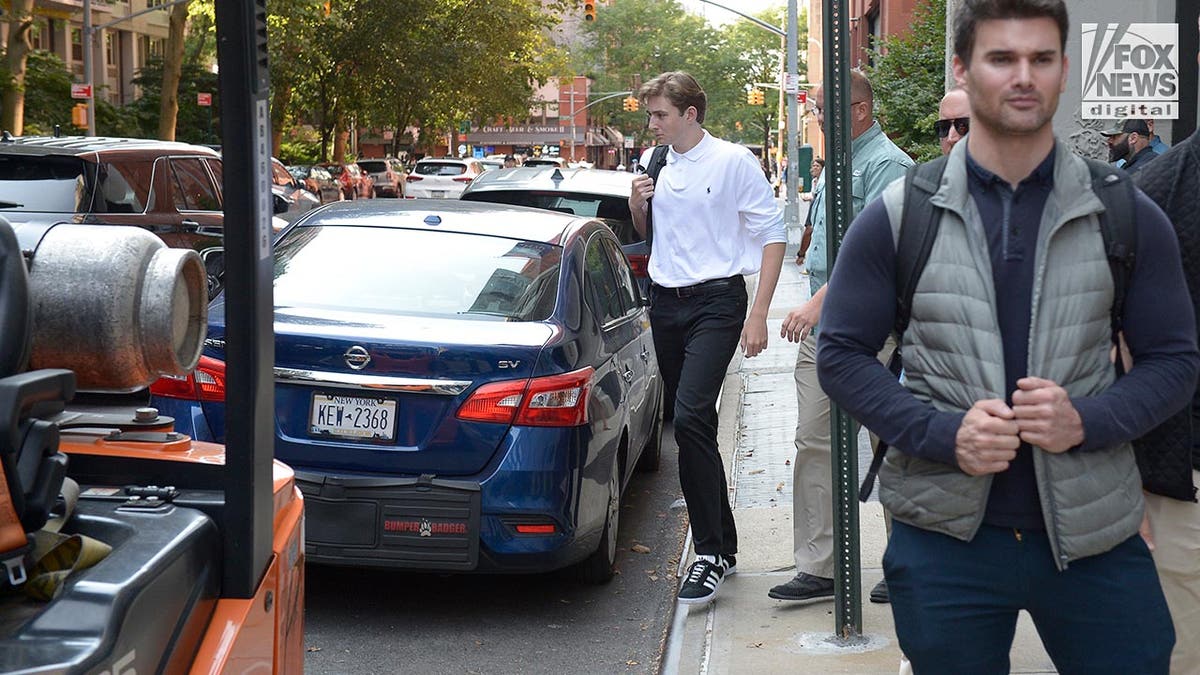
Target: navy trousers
<point x="695" y="337"/>
<point x="955" y="603"/>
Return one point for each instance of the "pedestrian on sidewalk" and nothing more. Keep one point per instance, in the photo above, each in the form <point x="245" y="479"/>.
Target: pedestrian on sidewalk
<point x="876" y="162"/>
<point x="1011" y="479"/>
<point x="806" y="239"/>
<point x="713" y="219"/>
<point x="954" y="119"/>
<point x="1169" y="456"/>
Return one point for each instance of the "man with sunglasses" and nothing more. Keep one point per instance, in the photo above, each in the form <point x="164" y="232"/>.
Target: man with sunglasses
<point x="954" y="119"/>
<point x="1130" y="141"/>
<point x="876" y="161"/>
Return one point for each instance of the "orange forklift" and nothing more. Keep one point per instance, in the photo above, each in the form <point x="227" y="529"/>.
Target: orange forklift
<point x="125" y="546"/>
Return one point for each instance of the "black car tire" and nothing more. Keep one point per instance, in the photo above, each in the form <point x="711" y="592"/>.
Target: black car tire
<point x="651" y="457"/>
<point x="597" y="568"/>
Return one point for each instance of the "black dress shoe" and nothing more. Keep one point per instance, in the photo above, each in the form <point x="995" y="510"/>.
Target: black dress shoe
<point x="879" y="594"/>
<point x="803" y="587"/>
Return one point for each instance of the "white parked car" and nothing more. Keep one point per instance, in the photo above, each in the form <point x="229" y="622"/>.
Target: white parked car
<point x="441" y="177"/>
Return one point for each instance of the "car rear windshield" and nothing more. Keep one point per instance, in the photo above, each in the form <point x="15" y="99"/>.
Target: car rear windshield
<point x="416" y="272"/>
<point x="614" y="211"/>
<point x="373" y="167"/>
<point x="56" y="184"/>
<point x="440" y="169"/>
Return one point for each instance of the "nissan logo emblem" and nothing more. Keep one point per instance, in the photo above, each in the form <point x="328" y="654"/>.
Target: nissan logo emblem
<point x="357" y="357"/>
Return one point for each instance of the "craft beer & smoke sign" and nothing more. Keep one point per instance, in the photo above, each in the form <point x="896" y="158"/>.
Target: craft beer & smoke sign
<point x="1130" y="70"/>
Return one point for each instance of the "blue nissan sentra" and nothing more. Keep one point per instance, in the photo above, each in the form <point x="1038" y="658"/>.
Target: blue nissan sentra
<point x="459" y="386"/>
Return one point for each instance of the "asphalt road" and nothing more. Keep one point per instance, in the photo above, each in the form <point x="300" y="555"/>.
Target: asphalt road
<point x="369" y="621"/>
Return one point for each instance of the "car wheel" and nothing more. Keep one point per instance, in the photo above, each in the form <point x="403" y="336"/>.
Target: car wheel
<point x="651" y="457"/>
<point x="597" y="568"/>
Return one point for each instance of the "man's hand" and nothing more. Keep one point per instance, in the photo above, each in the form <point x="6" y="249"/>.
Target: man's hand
<point x="643" y="190"/>
<point x="1046" y="416"/>
<point x="987" y="438"/>
<point x="800" y="321"/>
<point x="1146" y="531"/>
<point x="754" y="335"/>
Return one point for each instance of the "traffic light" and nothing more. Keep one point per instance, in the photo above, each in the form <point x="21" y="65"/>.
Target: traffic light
<point x="630" y="104"/>
<point x="589" y="10"/>
<point x="79" y="115"/>
<point x="755" y="97"/>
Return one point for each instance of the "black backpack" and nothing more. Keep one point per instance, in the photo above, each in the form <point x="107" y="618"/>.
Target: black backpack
<point x="919" y="222"/>
<point x="658" y="159"/>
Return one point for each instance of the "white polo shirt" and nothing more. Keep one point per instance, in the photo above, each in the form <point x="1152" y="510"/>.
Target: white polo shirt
<point x="713" y="212"/>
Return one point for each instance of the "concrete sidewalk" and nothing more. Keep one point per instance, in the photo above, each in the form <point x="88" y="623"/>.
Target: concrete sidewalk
<point x="744" y="631"/>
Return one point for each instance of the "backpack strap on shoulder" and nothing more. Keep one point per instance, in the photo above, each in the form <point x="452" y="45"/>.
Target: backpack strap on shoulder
<point x="919" y="222"/>
<point x="1118" y="226"/>
<point x="658" y="159"/>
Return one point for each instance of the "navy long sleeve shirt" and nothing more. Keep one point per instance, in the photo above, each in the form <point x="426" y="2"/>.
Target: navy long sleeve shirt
<point x="859" y="311"/>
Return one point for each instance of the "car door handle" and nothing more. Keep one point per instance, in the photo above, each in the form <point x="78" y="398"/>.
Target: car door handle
<point x="628" y="374"/>
<point x="645" y="354"/>
<point x="190" y="225"/>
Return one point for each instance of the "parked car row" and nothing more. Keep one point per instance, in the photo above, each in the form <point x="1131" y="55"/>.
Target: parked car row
<point x="460" y="386"/>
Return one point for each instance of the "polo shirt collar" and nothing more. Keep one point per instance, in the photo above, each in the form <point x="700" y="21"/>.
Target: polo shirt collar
<point x="696" y="153"/>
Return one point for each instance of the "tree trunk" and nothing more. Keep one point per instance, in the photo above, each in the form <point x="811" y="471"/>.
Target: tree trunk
<point x="279" y="106"/>
<point x="172" y="67"/>
<point x="12" y="117"/>
<point x="341" y="137"/>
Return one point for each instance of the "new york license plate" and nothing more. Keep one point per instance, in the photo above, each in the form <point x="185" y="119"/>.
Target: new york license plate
<point x="353" y="417"/>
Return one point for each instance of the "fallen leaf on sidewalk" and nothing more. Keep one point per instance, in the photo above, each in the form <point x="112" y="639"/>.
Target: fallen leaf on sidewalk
<point x="639" y="548"/>
<point x="779" y="488"/>
<point x="787" y="462"/>
<point x="313" y="649"/>
<point x="755" y="645"/>
<point x="756" y="471"/>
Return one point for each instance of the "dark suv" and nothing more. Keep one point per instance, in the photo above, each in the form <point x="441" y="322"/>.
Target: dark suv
<point x="171" y="189"/>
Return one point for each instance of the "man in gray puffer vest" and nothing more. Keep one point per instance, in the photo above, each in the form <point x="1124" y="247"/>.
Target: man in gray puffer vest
<point x="1011" y="479"/>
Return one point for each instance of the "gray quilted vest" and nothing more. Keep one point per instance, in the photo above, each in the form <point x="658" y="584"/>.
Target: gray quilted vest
<point x="953" y="356"/>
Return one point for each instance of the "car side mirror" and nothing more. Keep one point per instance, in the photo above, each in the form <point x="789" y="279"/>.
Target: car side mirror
<point x="214" y="268"/>
<point x="281" y="204"/>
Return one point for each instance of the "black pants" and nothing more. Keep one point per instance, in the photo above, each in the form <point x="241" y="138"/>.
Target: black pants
<point x="696" y="331"/>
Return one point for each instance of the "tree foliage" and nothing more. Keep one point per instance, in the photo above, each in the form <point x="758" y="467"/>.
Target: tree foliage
<point x="634" y="40"/>
<point x="908" y="78"/>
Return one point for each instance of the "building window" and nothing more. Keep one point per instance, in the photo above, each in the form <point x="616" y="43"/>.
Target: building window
<point x="35" y="36"/>
<point x="76" y="44"/>
<point x="110" y="49"/>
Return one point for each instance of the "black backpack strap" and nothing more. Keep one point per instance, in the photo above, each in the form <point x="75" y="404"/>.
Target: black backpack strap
<point x="919" y="222"/>
<point x="658" y="159"/>
<point x="1118" y="226"/>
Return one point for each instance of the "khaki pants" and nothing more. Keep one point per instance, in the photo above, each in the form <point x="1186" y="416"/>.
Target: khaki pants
<point x="812" y="472"/>
<point x="1176" y="528"/>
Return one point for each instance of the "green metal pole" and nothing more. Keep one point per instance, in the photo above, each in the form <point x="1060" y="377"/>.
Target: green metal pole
<point x="846" y="574"/>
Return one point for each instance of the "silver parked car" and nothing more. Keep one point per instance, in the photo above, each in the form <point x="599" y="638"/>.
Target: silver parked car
<point x="441" y="177"/>
<point x="594" y="193"/>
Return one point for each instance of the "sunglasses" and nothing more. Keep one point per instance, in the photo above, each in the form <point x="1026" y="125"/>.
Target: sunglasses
<point x="961" y="125"/>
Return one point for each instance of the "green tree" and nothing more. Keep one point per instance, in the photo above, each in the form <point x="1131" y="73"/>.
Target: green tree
<point x="16" y="50"/>
<point x="907" y="79"/>
<point x="633" y="40"/>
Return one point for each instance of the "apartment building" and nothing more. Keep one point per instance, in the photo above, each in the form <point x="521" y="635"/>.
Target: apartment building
<point x="120" y="45"/>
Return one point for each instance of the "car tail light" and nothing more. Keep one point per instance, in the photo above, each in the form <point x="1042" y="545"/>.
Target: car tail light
<point x="413" y="178"/>
<point x="640" y="264"/>
<point x="462" y="179"/>
<point x="205" y="383"/>
<point x="532" y="528"/>
<point x="494" y="402"/>
<point x="552" y="401"/>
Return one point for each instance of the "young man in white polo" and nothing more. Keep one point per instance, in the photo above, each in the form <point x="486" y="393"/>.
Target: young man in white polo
<point x="713" y="219"/>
